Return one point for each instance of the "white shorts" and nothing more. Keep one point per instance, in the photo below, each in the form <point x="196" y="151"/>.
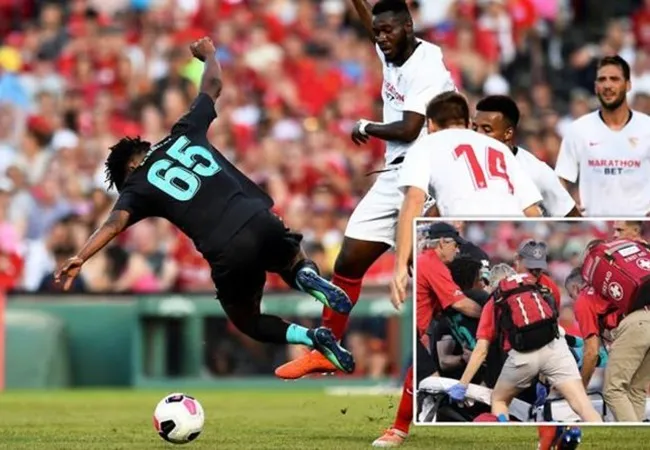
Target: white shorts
<point x="375" y="217"/>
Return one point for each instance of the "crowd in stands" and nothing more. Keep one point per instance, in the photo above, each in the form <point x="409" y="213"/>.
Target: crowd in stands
<point x="77" y="75"/>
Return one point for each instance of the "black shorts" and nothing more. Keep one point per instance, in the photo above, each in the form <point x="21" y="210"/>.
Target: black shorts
<point x="263" y="244"/>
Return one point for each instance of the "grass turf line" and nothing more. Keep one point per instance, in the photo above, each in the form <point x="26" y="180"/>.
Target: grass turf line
<point x="115" y="420"/>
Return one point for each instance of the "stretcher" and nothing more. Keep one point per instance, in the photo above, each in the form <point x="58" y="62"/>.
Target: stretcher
<point x="432" y="398"/>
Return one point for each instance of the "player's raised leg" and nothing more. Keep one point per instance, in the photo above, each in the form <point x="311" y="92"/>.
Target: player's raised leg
<point x="241" y="298"/>
<point x="305" y="276"/>
<point x="352" y="263"/>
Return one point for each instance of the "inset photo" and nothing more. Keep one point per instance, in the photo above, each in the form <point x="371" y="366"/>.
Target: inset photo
<point x="532" y="321"/>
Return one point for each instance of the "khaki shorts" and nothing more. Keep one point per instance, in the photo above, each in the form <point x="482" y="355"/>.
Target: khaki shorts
<point x="554" y="361"/>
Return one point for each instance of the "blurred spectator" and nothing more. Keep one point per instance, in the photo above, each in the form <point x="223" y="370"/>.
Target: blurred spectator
<point x="75" y="76"/>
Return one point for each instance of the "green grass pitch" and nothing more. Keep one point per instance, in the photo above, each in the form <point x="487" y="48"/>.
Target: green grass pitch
<point x="84" y="419"/>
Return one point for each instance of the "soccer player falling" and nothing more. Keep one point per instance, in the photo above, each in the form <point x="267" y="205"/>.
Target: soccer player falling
<point x="228" y="217"/>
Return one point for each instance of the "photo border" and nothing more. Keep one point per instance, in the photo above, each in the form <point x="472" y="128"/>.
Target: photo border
<point x="420" y="220"/>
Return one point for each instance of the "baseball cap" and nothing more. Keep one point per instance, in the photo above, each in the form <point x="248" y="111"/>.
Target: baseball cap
<point x="441" y="230"/>
<point x="533" y="254"/>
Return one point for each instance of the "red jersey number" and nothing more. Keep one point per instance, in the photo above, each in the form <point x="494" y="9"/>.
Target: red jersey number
<point x="496" y="166"/>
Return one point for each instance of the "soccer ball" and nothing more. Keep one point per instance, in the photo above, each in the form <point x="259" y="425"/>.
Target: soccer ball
<point x="178" y="418"/>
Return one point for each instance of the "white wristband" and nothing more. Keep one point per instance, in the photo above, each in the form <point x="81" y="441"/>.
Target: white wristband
<point x="363" y="123"/>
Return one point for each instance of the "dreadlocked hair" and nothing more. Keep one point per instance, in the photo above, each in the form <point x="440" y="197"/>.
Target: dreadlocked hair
<point x="118" y="159"/>
<point x="465" y="272"/>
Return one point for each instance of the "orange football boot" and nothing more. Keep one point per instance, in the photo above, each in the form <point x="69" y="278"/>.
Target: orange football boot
<point x="312" y="362"/>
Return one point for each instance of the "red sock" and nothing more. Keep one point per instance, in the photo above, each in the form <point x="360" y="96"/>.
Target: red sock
<point x="405" y="410"/>
<point x="546" y="436"/>
<point x="339" y="322"/>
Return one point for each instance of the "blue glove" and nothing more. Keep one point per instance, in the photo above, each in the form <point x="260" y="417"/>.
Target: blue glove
<point x="457" y="392"/>
<point x="542" y="393"/>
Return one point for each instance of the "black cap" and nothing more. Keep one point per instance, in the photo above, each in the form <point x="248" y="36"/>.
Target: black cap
<point x="441" y="230"/>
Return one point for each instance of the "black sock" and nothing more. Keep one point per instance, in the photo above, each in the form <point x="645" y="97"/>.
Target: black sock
<point x="289" y="276"/>
<point x="265" y="328"/>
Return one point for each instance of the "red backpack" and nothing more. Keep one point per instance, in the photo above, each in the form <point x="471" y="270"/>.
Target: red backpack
<point x="526" y="312"/>
<point x="620" y="272"/>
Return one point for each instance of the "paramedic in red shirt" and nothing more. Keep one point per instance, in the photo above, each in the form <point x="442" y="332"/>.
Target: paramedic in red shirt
<point x="532" y="258"/>
<point x="435" y="288"/>
<point x="596" y="321"/>
<point x="554" y="360"/>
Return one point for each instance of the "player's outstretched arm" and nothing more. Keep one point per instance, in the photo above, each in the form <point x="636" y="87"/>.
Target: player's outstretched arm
<point x="411" y="208"/>
<point x="364" y="10"/>
<point x="114" y="225"/>
<point x="212" y="80"/>
<point x="406" y="130"/>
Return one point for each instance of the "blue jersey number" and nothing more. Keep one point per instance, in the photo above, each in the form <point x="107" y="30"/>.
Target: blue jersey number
<point x="182" y="183"/>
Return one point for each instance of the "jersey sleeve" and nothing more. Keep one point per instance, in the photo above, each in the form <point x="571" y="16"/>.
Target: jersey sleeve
<point x="486" y="327"/>
<point x="199" y="117"/>
<point x="423" y="300"/>
<point x="135" y="204"/>
<point x="426" y="85"/>
<point x="445" y="288"/>
<point x="568" y="159"/>
<point x="416" y="169"/>
<point x="524" y="188"/>
<point x="586" y="316"/>
<point x="557" y="200"/>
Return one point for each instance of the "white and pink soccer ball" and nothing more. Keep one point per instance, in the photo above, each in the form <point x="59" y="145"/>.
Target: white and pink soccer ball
<point x="178" y="418"/>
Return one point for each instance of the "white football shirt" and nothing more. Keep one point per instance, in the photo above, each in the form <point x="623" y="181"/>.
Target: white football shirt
<point x="556" y="200"/>
<point x="612" y="167"/>
<point x="410" y="87"/>
<point x="468" y="174"/>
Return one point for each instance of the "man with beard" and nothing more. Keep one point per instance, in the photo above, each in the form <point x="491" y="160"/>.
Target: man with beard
<point x="608" y="151"/>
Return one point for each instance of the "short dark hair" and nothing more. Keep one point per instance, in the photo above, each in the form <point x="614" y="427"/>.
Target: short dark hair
<point x="397" y="7"/>
<point x="119" y="157"/>
<point x="502" y="104"/>
<point x="447" y="109"/>
<point x="465" y="272"/>
<point x="616" y="61"/>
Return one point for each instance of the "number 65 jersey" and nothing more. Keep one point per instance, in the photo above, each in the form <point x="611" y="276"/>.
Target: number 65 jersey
<point x="188" y="182"/>
<point x="468" y="174"/>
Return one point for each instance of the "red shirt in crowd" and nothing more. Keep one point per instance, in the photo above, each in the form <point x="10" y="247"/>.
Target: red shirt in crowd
<point x="435" y="291"/>
<point x="641" y="25"/>
<point x="593" y="313"/>
<point x="11" y="270"/>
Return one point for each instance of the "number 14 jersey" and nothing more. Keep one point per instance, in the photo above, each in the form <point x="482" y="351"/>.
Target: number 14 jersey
<point x="188" y="182"/>
<point x="468" y="174"/>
